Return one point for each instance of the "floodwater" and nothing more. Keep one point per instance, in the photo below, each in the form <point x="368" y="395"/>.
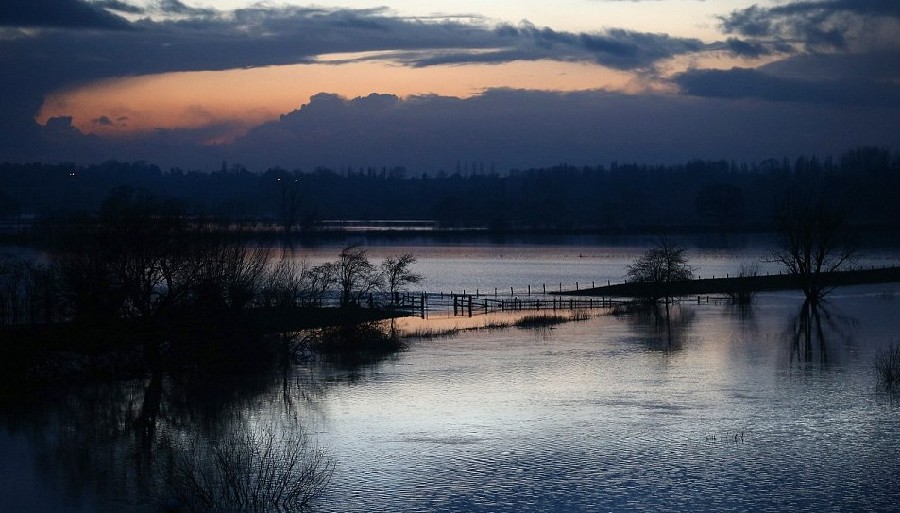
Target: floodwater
<point x="551" y="263"/>
<point x="724" y="410"/>
<point x="711" y="408"/>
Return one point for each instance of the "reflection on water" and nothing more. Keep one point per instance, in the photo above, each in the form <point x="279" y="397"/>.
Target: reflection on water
<point x="264" y="468"/>
<point x="815" y="328"/>
<point x="699" y="410"/>
<point x="660" y="327"/>
<point x="174" y="443"/>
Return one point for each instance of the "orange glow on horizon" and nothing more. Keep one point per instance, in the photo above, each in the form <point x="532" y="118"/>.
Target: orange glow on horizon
<point x="231" y="102"/>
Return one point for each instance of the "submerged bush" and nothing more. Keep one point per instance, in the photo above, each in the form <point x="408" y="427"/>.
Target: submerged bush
<point x="887" y="366"/>
<point x="355" y="344"/>
<point x="742" y="293"/>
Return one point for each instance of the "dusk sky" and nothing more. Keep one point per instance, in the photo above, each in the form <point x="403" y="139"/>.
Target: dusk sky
<point x="426" y="84"/>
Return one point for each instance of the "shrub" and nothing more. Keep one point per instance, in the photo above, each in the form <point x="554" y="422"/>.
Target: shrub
<point x="887" y="366"/>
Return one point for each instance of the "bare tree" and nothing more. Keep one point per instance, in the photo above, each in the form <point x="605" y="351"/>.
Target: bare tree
<point x="661" y="265"/>
<point x="812" y="243"/>
<point x="356" y="275"/>
<point x="397" y="273"/>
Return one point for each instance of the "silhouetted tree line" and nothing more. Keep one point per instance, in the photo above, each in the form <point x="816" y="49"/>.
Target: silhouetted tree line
<point x="618" y="197"/>
<point x="141" y="259"/>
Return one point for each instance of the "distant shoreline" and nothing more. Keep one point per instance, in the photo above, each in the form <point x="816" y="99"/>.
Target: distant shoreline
<point x="24" y="234"/>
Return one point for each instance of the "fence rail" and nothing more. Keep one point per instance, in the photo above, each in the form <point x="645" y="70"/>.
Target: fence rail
<point x="424" y="304"/>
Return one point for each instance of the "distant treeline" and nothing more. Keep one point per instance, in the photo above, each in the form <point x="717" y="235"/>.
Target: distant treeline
<point x="619" y="197"/>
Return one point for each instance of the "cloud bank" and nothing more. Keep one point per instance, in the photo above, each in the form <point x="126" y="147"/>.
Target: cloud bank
<point x="832" y="81"/>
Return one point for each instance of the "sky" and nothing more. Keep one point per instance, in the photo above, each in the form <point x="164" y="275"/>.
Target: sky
<point x="427" y="84"/>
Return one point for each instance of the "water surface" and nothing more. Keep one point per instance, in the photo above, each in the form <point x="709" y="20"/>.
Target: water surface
<point x="714" y="408"/>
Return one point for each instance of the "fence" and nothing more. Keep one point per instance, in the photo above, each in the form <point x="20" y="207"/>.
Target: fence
<point x="424" y="304"/>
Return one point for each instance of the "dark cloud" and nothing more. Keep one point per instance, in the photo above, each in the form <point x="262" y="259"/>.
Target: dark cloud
<point x="750" y="49"/>
<point x="57" y="13"/>
<point x="509" y="128"/>
<point x="756" y="84"/>
<point x="826" y="24"/>
<point x="206" y="40"/>
<point x="752" y="21"/>
<point x="837" y="79"/>
<point x="526" y="128"/>
<point x="616" y="48"/>
<point x="866" y="7"/>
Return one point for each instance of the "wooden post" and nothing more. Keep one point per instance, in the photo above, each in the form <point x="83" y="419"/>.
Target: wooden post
<point x="510" y="291"/>
<point x="529" y="290"/>
<point x="545" y="287"/>
<point x="470" y="306"/>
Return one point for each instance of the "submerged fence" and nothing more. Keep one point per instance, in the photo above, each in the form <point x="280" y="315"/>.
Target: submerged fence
<point x="424" y="304"/>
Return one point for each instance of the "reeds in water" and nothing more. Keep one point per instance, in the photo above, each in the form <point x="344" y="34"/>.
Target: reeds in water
<point x="887" y="366"/>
